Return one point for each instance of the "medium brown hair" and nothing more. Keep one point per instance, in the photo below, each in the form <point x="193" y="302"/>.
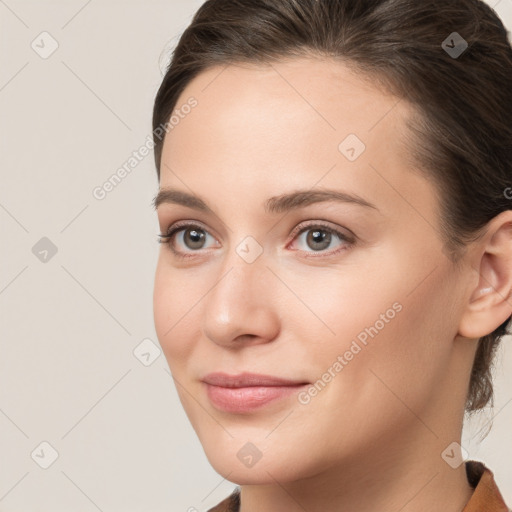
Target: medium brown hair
<point x="462" y="127"/>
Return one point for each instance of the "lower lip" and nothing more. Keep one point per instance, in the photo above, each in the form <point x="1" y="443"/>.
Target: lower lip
<point x="238" y="400"/>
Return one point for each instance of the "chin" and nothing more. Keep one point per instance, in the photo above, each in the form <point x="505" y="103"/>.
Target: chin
<point x="234" y="463"/>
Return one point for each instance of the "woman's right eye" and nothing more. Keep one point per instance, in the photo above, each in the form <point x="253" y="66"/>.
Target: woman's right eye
<point x="189" y="236"/>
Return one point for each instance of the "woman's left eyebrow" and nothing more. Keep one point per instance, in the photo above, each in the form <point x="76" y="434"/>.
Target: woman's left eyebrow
<point x="276" y="204"/>
<point x="302" y="198"/>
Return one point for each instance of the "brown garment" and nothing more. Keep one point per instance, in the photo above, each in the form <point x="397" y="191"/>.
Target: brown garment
<point x="486" y="496"/>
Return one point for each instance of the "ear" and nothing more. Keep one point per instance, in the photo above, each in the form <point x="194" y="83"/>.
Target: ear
<point x="490" y="302"/>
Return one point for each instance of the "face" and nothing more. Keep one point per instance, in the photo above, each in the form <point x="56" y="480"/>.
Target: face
<point x="349" y="297"/>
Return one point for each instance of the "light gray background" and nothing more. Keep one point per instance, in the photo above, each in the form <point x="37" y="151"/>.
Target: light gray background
<point x="70" y="324"/>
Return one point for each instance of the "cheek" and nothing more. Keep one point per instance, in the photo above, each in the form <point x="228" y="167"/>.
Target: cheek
<point x="391" y="326"/>
<point x="405" y="359"/>
<point x="344" y="305"/>
<point x="173" y="315"/>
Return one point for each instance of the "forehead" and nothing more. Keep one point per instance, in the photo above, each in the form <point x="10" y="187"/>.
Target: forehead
<point x="268" y="127"/>
<point x="327" y="95"/>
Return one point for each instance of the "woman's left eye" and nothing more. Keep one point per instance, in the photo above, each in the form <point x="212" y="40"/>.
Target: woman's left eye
<point x="320" y="237"/>
<point x="194" y="237"/>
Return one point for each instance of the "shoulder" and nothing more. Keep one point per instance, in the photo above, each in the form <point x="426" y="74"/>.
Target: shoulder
<point x="486" y="495"/>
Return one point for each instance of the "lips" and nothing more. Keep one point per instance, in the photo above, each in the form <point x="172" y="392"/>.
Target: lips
<point x="247" y="392"/>
<point x="244" y="380"/>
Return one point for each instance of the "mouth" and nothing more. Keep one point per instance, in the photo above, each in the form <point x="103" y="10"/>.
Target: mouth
<point x="247" y="392"/>
<point x="244" y="380"/>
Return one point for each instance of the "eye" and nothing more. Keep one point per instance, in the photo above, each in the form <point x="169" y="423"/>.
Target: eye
<point x="320" y="237"/>
<point x="190" y="236"/>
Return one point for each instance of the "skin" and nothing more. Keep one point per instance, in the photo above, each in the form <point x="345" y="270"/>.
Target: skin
<point x="372" y="438"/>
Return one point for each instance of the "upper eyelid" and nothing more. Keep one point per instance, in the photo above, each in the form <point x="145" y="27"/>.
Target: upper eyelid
<point x="323" y="224"/>
<point x="179" y="225"/>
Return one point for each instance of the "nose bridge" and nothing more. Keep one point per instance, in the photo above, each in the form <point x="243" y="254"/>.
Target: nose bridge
<point x="239" y="301"/>
<point x="239" y="279"/>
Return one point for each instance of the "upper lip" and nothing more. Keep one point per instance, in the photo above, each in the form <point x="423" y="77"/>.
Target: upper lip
<point x="247" y="380"/>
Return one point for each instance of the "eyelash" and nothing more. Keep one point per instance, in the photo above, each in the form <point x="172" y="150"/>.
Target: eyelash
<point x="166" y="238"/>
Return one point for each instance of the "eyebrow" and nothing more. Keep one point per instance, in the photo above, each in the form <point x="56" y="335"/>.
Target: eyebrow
<point x="275" y="204"/>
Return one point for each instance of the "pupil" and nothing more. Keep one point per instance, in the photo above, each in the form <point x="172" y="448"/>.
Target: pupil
<point x="318" y="237"/>
<point x="196" y="237"/>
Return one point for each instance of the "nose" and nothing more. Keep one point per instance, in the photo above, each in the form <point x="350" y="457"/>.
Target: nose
<point x="239" y="309"/>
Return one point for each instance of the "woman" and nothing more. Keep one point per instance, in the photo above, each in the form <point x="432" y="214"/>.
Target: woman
<point x="336" y="264"/>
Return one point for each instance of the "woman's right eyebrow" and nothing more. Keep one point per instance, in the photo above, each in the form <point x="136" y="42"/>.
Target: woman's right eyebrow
<point x="276" y="204"/>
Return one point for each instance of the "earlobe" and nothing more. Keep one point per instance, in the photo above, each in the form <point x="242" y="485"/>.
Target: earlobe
<point x="489" y="303"/>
